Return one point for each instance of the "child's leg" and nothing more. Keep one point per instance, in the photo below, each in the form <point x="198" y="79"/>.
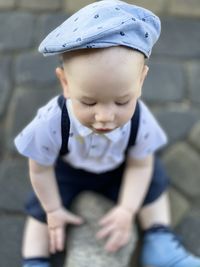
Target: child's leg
<point x="35" y="247"/>
<point x="161" y="247"/>
<point x="157" y="212"/>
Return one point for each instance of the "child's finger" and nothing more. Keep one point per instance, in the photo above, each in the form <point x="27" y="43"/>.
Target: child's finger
<point x="106" y="219"/>
<point x="117" y="240"/>
<point x="59" y="238"/>
<point x="73" y="219"/>
<point x="104" y="232"/>
<point x="52" y="246"/>
<point x="114" y="242"/>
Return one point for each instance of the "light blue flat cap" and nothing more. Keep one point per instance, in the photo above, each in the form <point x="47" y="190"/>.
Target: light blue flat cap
<point x="104" y="24"/>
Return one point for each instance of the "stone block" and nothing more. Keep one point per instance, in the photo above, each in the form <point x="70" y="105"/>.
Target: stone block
<point x="72" y="6"/>
<point x="194" y="136"/>
<point x="48" y="22"/>
<point x="179" y="206"/>
<point x="177" y="121"/>
<point x="183" y="166"/>
<point x="40" y="4"/>
<point x="185" y="8"/>
<point x="32" y="69"/>
<point x="190" y="231"/>
<point x="179" y="38"/>
<point x="4" y="4"/>
<point x="23" y="108"/>
<point x="156" y="6"/>
<point x="2" y="140"/>
<point x="5" y="82"/>
<point x="165" y="82"/>
<point x="194" y="82"/>
<point x="83" y="249"/>
<point x="11" y="239"/>
<point x="14" y="185"/>
<point x="16" y="31"/>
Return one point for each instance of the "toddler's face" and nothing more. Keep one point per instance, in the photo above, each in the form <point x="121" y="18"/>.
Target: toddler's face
<point x="104" y="87"/>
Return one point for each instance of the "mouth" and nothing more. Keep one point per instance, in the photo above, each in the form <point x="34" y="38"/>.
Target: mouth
<point x="103" y="130"/>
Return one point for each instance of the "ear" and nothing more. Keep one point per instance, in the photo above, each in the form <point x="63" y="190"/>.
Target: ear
<point x="63" y="81"/>
<point x="142" y="78"/>
<point x="144" y="74"/>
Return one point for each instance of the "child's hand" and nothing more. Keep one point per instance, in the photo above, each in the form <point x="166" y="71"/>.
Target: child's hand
<point x="117" y="225"/>
<point x="57" y="221"/>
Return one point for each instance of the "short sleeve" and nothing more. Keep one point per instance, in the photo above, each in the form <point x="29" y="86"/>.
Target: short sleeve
<point x="40" y="140"/>
<point x="150" y="136"/>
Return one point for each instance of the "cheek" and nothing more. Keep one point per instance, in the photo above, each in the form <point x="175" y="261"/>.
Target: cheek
<point x="126" y="114"/>
<point x="82" y="114"/>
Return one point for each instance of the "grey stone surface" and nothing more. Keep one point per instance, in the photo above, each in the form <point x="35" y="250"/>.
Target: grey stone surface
<point x="179" y="206"/>
<point x="190" y="231"/>
<point x="2" y="140"/>
<point x="32" y="69"/>
<point x="177" y="121"/>
<point x="4" y="4"/>
<point x="11" y="238"/>
<point x="194" y="81"/>
<point x="14" y="182"/>
<point x="16" y="31"/>
<point x="194" y="136"/>
<point x="5" y="82"/>
<point x="184" y="168"/>
<point x="156" y="6"/>
<point x="41" y="4"/>
<point x="26" y="102"/>
<point x="72" y="6"/>
<point x="165" y="82"/>
<point x="48" y="22"/>
<point x="83" y="248"/>
<point x="179" y="38"/>
<point x="184" y="7"/>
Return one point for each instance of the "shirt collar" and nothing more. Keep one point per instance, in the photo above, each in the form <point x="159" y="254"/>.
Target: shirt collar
<point x="118" y="133"/>
<point x="84" y="131"/>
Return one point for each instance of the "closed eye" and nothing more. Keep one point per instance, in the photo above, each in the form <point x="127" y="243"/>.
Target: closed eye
<point x="122" y="103"/>
<point x="88" y="104"/>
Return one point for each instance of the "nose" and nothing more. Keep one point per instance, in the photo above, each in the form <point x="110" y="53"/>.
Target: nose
<point x="104" y="114"/>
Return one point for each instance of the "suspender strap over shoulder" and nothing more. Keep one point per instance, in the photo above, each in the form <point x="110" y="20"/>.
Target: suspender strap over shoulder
<point x="65" y="125"/>
<point x="134" y="126"/>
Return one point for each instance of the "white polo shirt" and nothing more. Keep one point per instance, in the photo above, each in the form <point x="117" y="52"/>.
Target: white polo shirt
<point x="41" y="140"/>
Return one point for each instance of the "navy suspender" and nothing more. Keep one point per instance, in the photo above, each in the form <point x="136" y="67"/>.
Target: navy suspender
<point x="134" y="126"/>
<point x="65" y="126"/>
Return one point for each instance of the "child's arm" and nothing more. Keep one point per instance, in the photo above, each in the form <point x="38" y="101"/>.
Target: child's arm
<point x="136" y="182"/>
<point x="117" y="224"/>
<point x="44" y="183"/>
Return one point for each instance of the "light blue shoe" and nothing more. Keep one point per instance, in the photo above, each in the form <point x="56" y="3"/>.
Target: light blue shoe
<point x="162" y="248"/>
<point x="37" y="263"/>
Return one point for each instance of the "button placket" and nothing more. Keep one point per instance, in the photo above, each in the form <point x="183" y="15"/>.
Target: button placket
<point x="97" y="145"/>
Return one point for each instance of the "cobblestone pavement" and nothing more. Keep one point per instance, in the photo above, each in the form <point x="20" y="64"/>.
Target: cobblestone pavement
<point x="27" y="80"/>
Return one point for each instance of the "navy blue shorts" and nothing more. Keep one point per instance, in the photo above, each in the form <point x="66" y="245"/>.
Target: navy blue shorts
<point x="73" y="181"/>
